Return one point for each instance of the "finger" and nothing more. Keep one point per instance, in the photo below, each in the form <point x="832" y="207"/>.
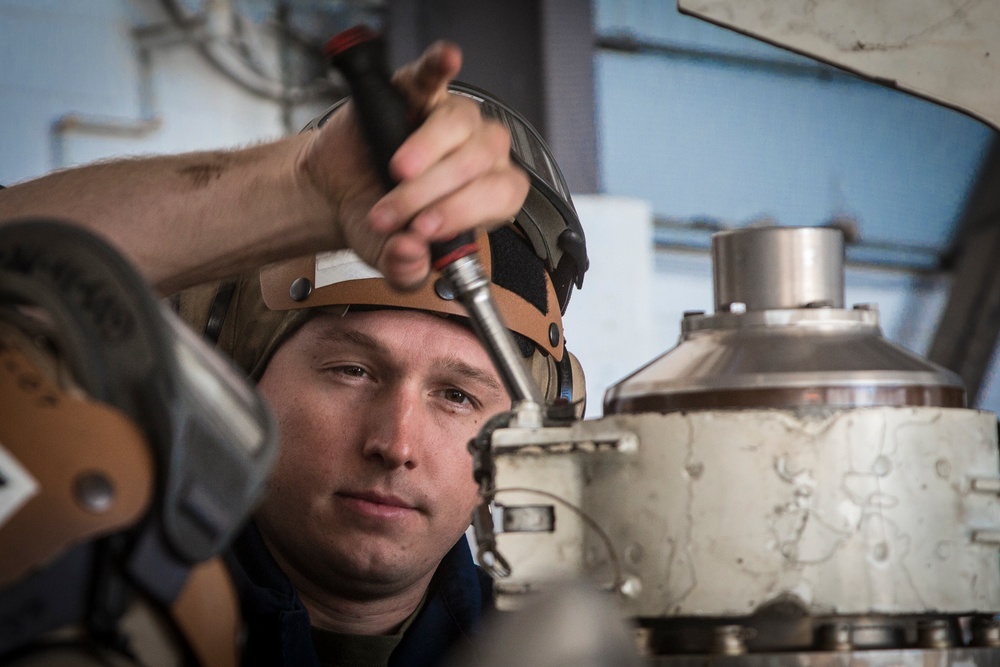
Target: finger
<point x="488" y="201"/>
<point x="422" y="203"/>
<point x="450" y="125"/>
<point x="405" y="261"/>
<point x="439" y="138"/>
<point x="487" y="153"/>
<point x="425" y="81"/>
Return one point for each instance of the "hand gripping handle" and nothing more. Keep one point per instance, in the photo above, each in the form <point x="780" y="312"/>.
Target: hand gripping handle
<point x="384" y="115"/>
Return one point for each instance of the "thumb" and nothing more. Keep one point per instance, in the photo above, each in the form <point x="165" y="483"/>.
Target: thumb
<point x="425" y="81"/>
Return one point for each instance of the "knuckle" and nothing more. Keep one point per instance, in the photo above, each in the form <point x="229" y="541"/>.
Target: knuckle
<point x="475" y="162"/>
<point x="500" y="132"/>
<point x="498" y="144"/>
<point x="466" y="113"/>
<point x="464" y="106"/>
<point x="498" y="136"/>
<point x="518" y="189"/>
<point x="407" y="197"/>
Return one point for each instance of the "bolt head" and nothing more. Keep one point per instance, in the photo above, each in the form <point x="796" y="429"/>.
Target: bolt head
<point x="94" y="491"/>
<point x="443" y="289"/>
<point x="553" y="335"/>
<point x="301" y="289"/>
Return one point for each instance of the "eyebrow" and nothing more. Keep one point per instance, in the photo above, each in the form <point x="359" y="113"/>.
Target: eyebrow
<point x="450" y="364"/>
<point x="327" y="335"/>
<point x="463" y="369"/>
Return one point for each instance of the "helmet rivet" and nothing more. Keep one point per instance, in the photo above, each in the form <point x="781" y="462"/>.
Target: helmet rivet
<point x="443" y="289"/>
<point x="553" y="334"/>
<point x="94" y="492"/>
<point x="301" y="289"/>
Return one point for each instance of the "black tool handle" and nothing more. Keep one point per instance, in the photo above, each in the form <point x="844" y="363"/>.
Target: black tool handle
<point x="385" y="117"/>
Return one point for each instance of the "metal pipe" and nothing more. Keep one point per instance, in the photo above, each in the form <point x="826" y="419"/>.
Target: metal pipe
<point x="696" y="232"/>
<point x="214" y="32"/>
<point x="628" y="43"/>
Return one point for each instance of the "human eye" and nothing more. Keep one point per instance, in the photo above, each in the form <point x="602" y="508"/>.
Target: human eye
<point x="458" y="396"/>
<point x="348" y="370"/>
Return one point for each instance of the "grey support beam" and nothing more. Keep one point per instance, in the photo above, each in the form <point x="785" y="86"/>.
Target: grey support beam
<point x="968" y="332"/>
<point x="569" y="96"/>
<point x="536" y="55"/>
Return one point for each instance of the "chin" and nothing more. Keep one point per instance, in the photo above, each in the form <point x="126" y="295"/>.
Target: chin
<point x="382" y="564"/>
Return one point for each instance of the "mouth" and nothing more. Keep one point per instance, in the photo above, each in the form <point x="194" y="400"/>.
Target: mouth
<point x="377" y="505"/>
<point x="380" y="499"/>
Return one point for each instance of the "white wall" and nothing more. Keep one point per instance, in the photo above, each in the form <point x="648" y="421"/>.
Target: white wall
<point x="71" y="57"/>
<point x="609" y="324"/>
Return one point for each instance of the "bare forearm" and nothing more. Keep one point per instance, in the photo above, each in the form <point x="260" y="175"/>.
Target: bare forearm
<point x="188" y="218"/>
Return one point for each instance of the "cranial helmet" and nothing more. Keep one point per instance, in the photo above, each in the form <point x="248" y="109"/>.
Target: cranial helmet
<point x="130" y="455"/>
<point x="533" y="262"/>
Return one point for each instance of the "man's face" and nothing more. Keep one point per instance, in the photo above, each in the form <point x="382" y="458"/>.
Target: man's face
<point x="373" y="483"/>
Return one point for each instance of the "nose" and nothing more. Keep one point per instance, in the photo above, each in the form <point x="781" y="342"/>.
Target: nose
<point x="395" y="425"/>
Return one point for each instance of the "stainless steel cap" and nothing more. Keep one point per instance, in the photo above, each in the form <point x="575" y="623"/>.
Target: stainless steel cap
<point x="793" y="346"/>
<point x="766" y="268"/>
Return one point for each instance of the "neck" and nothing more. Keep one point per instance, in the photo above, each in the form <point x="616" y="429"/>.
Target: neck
<point x="352" y="607"/>
<point x="376" y="616"/>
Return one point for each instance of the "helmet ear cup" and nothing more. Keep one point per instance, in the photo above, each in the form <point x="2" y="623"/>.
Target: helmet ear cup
<point x="196" y="306"/>
<point x="575" y="383"/>
<point x="220" y="308"/>
<point x="560" y="380"/>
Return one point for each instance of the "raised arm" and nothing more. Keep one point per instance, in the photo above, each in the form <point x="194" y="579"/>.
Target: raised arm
<point x="184" y="219"/>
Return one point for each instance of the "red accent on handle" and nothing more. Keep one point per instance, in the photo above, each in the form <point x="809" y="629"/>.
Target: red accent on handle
<point x="348" y="38"/>
<point x="457" y="253"/>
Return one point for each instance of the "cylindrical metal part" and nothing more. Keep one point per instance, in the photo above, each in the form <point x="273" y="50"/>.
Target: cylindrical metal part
<point x="778" y="267"/>
<point x="472" y="291"/>
<point x="728" y="640"/>
<point x="986" y="631"/>
<point x="834" y="637"/>
<point x="904" y="657"/>
<point x="935" y="633"/>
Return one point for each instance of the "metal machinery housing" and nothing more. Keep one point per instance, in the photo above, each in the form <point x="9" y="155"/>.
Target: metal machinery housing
<point x="784" y="486"/>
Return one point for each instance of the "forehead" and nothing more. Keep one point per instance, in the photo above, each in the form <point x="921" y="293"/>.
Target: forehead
<point x="394" y="331"/>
